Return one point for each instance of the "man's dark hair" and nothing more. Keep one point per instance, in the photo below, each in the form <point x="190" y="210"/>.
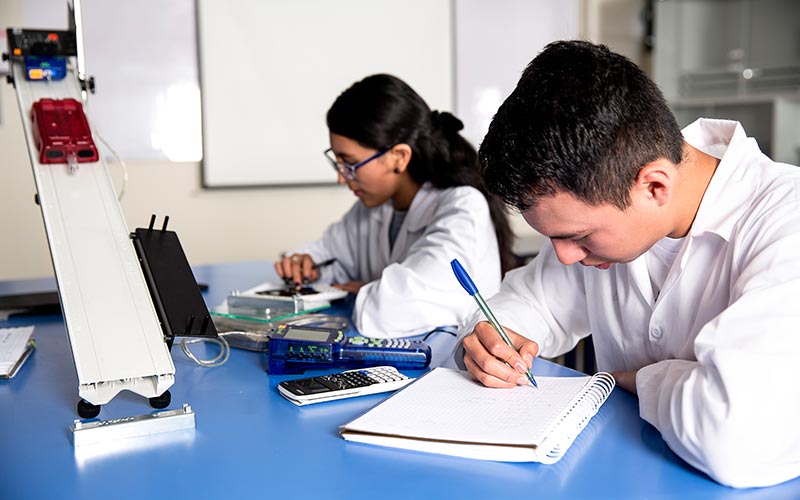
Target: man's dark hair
<point x="582" y="120"/>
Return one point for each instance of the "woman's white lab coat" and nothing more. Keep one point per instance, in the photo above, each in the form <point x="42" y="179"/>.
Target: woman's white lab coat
<point x="718" y="352"/>
<point x="411" y="289"/>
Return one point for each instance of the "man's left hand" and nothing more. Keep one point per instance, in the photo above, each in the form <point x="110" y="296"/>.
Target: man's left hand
<point x="350" y="286"/>
<point x="626" y="380"/>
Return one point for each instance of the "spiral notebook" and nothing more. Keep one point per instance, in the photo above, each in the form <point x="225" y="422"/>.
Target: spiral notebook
<point x="16" y="345"/>
<point x="446" y="412"/>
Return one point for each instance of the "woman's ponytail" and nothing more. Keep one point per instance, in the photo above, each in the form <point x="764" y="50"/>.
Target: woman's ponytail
<point x="382" y="110"/>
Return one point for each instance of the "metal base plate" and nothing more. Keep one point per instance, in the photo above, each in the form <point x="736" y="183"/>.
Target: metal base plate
<point x="102" y="431"/>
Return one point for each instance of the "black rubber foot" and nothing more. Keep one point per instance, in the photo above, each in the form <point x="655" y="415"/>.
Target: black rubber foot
<point x="161" y="401"/>
<point x="87" y="409"/>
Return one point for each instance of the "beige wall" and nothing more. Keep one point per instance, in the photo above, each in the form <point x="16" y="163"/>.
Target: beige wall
<point x="617" y="23"/>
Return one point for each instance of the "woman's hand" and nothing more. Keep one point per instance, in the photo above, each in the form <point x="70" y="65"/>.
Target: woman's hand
<point x="297" y="268"/>
<point x="486" y="355"/>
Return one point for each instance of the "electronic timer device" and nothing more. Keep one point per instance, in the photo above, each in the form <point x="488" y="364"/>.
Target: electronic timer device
<point x="294" y="349"/>
<point x="348" y="384"/>
<point x="41" y="43"/>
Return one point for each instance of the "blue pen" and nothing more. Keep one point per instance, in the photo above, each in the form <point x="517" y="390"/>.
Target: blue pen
<point x="469" y="286"/>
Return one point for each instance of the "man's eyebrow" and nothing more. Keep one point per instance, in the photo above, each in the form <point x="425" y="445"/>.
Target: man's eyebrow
<point x="568" y="236"/>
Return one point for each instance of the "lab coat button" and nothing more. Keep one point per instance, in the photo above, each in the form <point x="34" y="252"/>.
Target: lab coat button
<point x="656" y="333"/>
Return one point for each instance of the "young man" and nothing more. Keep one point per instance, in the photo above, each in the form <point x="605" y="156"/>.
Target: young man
<point x="678" y="252"/>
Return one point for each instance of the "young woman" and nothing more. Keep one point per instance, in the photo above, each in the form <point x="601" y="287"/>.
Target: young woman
<point x="421" y="203"/>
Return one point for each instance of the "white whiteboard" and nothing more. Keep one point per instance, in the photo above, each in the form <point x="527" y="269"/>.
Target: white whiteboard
<point x="143" y="56"/>
<point x="495" y="41"/>
<point x="270" y="69"/>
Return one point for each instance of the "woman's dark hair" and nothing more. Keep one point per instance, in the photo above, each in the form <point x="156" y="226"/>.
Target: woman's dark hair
<point x="381" y="111"/>
<point x="583" y="120"/>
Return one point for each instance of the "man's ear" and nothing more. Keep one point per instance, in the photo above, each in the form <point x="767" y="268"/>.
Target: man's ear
<point x="401" y="156"/>
<point x="656" y="181"/>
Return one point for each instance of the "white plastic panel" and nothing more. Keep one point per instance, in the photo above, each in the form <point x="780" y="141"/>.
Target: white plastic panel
<point x="114" y="332"/>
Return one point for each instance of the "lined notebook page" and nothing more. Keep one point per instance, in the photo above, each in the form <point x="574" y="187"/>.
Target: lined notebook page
<point x="447" y="405"/>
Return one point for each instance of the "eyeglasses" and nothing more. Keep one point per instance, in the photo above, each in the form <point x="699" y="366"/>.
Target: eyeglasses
<point x="347" y="170"/>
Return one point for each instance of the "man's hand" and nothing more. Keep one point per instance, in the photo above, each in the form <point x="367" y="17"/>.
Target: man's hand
<point x="486" y="355"/>
<point x="626" y="380"/>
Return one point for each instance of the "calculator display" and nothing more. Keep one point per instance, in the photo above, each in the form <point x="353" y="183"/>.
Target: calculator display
<point x="309" y="386"/>
<point x="295" y="333"/>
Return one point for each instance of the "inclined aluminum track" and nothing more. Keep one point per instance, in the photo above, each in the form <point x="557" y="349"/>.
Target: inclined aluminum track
<point x="115" y="336"/>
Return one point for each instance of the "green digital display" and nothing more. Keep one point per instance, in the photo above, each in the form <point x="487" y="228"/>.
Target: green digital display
<point x="307" y="334"/>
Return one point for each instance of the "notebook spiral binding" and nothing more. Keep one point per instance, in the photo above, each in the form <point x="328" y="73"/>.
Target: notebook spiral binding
<point x="581" y="409"/>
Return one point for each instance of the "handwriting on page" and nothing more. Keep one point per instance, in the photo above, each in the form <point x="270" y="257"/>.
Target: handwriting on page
<point x="466" y="411"/>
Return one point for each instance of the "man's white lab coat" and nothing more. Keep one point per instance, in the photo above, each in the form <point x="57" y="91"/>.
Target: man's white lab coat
<point x="718" y="352"/>
<point x="412" y="288"/>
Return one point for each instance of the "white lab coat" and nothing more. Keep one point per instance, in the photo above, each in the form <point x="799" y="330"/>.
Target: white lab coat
<point x="412" y="289"/>
<point x="718" y="352"/>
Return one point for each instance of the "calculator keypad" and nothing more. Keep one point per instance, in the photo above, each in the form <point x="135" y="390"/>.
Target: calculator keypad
<point x="363" y="378"/>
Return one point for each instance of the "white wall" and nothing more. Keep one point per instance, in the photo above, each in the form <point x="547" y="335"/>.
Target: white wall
<point x="495" y="41"/>
<point x="214" y="226"/>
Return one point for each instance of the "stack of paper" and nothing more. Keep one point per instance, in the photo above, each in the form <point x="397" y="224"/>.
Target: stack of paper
<point x="16" y="344"/>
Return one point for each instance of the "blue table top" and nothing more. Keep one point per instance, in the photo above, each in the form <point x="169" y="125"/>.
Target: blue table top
<point x="249" y="441"/>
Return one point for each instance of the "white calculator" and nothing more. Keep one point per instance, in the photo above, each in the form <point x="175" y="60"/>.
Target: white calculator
<point x="347" y="384"/>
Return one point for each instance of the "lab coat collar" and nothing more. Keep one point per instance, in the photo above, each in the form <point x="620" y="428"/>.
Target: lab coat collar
<point x="727" y="193"/>
<point x="420" y="213"/>
<point x="420" y="216"/>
